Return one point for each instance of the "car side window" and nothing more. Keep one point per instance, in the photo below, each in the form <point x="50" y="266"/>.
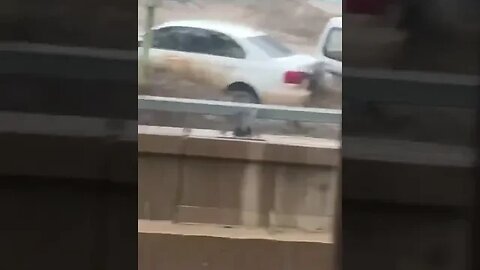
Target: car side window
<point x="208" y="42"/>
<point x="222" y="45"/>
<point x="167" y="38"/>
<point x="333" y="44"/>
<point x="195" y="40"/>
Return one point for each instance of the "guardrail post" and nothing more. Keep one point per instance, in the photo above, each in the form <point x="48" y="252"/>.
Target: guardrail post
<point x="244" y="123"/>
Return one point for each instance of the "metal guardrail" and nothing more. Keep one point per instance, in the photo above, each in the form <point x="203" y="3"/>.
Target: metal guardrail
<point x="243" y="113"/>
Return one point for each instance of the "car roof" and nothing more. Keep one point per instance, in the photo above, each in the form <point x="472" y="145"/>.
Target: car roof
<point x="230" y="29"/>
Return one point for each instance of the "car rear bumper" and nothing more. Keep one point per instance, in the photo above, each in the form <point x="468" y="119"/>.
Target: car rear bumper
<point x="288" y="95"/>
<point x="322" y="81"/>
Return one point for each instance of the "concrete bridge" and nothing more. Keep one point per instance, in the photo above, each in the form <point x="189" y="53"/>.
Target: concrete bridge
<point x="259" y="203"/>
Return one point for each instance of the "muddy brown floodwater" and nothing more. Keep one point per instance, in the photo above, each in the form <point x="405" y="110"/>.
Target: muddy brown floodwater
<point x="293" y="22"/>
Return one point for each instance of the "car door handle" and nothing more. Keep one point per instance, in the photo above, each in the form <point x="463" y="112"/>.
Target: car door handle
<point x="331" y="69"/>
<point x="335" y="73"/>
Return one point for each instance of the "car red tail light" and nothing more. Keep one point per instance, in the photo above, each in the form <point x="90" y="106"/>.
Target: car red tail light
<point x="294" y="77"/>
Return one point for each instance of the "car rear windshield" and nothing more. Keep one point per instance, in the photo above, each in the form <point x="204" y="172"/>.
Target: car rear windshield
<point x="270" y="46"/>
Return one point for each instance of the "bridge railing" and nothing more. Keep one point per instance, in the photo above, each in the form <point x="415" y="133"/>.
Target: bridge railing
<point x="242" y="114"/>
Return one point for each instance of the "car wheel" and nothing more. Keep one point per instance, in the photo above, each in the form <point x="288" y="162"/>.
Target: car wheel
<point x="242" y="94"/>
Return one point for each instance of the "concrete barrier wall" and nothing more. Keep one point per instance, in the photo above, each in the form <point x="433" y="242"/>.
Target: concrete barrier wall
<point x="206" y="177"/>
<point x="179" y="251"/>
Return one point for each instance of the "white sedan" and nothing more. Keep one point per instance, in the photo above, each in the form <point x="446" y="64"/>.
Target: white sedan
<point x="245" y="64"/>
